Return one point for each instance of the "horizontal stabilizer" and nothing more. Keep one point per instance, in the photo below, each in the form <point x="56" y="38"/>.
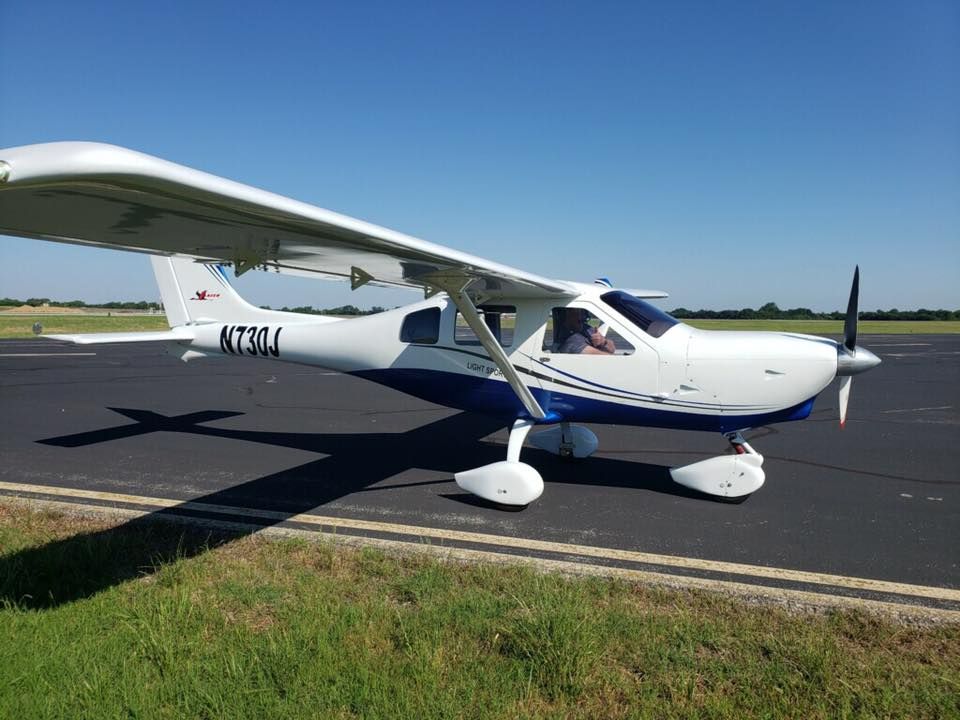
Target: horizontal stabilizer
<point x="177" y="334"/>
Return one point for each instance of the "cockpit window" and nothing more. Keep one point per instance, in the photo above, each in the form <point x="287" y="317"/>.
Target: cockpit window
<point x="501" y="319"/>
<point x="652" y="320"/>
<point x="576" y="331"/>
<point x="421" y="327"/>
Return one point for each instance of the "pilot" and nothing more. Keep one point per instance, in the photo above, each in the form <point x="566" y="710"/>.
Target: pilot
<point x="580" y="337"/>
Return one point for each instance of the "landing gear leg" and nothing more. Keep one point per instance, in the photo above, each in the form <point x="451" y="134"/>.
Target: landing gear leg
<point x="727" y="475"/>
<point x="566" y="440"/>
<point x="739" y="444"/>
<point x="508" y="482"/>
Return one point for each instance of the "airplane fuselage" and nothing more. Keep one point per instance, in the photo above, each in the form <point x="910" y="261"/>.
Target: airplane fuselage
<point x="685" y="379"/>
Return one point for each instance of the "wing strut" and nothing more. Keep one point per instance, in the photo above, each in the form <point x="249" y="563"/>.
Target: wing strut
<point x="466" y="307"/>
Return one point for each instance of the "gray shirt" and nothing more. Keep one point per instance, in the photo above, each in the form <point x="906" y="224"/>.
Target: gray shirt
<point x="574" y="344"/>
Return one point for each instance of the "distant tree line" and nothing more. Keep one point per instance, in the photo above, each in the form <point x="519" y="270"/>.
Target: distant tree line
<point x="112" y="305"/>
<point x="342" y="310"/>
<point x="145" y="305"/>
<point x="770" y="311"/>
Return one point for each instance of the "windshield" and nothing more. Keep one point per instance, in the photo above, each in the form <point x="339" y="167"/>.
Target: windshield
<point x="652" y="320"/>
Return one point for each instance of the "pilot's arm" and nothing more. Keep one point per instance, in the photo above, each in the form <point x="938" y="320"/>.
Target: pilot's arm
<point x="599" y="345"/>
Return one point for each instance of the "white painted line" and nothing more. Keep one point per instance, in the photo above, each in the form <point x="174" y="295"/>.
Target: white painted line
<point x="83" y="354"/>
<point x="922" y="354"/>
<point x="34" y="343"/>
<point x="938" y="407"/>
<point x="759" y="571"/>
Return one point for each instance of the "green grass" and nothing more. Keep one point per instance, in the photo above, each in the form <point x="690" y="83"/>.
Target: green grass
<point x="142" y="620"/>
<point x="21" y="326"/>
<point x="834" y="327"/>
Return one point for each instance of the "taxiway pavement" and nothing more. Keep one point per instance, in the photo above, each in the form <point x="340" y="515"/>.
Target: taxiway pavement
<point x="129" y="426"/>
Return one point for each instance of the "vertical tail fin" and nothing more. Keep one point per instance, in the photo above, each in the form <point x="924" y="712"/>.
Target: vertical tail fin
<point x="170" y="295"/>
<point x="194" y="292"/>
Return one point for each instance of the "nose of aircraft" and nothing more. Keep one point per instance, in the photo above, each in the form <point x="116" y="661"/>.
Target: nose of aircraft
<point x="851" y="358"/>
<point x="856" y="362"/>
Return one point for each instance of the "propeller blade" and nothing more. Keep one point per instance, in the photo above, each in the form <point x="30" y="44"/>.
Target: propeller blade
<point x="850" y="324"/>
<point x="845" y="383"/>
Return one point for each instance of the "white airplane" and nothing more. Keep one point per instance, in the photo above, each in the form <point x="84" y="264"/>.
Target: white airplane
<point x="487" y="338"/>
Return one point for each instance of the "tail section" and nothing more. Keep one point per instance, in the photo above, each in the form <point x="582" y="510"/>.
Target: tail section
<point x="197" y="293"/>
<point x="193" y="292"/>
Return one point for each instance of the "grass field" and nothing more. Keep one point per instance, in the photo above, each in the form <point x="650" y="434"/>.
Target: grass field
<point x="256" y="627"/>
<point x="20" y="326"/>
<point x="834" y="327"/>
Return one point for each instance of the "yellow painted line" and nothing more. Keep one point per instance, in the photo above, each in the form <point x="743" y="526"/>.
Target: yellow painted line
<point x="687" y="563"/>
<point x="766" y="593"/>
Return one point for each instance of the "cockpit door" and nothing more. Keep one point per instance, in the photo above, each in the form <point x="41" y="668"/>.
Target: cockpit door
<point x="631" y="371"/>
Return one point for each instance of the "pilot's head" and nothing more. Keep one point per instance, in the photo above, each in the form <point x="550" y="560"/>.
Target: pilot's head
<point x="573" y="318"/>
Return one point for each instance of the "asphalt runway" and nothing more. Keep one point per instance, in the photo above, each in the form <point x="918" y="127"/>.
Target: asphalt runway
<point x="131" y="427"/>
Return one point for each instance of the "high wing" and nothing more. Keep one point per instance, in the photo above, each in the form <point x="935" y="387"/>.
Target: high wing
<point x="108" y="196"/>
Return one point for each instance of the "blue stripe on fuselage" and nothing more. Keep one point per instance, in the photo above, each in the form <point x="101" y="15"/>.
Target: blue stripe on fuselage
<point x="493" y="397"/>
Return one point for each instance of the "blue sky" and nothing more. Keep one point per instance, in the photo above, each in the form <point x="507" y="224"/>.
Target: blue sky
<point x="729" y="153"/>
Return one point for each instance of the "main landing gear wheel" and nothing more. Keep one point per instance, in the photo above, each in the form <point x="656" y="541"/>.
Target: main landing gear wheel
<point x="508" y="482"/>
<point x="727" y="476"/>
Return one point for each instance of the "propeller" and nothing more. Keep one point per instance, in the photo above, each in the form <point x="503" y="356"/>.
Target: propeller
<point x="845" y="384"/>
<point x="850" y="323"/>
<point x="851" y="360"/>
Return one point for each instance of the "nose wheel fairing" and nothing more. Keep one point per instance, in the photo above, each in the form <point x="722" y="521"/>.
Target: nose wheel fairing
<point x="730" y="476"/>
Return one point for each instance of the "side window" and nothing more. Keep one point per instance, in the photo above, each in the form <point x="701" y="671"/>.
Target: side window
<point x="575" y="331"/>
<point x="422" y="326"/>
<point x="501" y="319"/>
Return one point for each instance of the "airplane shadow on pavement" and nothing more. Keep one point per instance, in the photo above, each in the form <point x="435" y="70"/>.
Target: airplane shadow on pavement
<point x="85" y="564"/>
